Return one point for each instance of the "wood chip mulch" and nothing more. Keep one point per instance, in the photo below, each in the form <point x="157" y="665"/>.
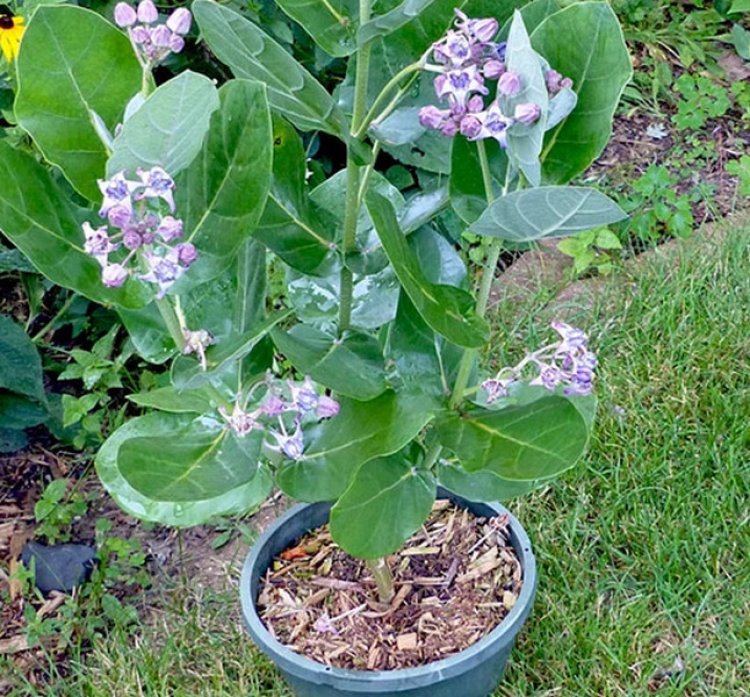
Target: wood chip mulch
<point x="455" y="580"/>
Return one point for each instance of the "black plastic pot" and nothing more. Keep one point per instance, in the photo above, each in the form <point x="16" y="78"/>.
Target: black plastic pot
<point x="473" y="672"/>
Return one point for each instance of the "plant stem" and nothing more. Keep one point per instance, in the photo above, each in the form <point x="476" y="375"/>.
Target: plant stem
<point x="372" y="114"/>
<point x="353" y="201"/>
<point x="381" y="572"/>
<point x="171" y="321"/>
<point x="488" y="275"/>
<point x="68" y="302"/>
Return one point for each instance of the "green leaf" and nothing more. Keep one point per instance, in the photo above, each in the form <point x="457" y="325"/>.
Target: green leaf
<point x="172" y="400"/>
<point x="391" y="21"/>
<point x="168" y="129"/>
<point x="548" y="211"/>
<point x="525" y="142"/>
<point x="448" y="310"/>
<point x="148" y="333"/>
<point x="14" y="260"/>
<point x="74" y="64"/>
<point x="388" y="500"/>
<point x="739" y="6"/>
<point x="741" y="41"/>
<point x="17" y="412"/>
<point x="21" y="366"/>
<point x="606" y="239"/>
<point x="534" y="13"/>
<point x="360" y="432"/>
<point x="600" y="68"/>
<point x="40" y="219"/>
<point x="251" y="53"/>
<point x="174" y="470"/>
<point x="331" y="24"/>
<point x="12" y="440"/>
<point x="483" y="485"/>
<point x="221" y="195"/>
<point x="525" y="442"/>
<point x="467" y="193"/>
<point x="351" y="365"/>
<point x="292" y="226"/>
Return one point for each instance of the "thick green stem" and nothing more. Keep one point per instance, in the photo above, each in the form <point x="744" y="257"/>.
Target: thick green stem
<point x="485" y="286"/>
<point x="171" y="321"/>
<point x="353" y="202"/>
<point x="381" y="572"/>
<point x="373" y="114"/>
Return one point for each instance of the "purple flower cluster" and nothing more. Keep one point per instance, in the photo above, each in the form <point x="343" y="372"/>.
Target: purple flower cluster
<point x="466" y="59"/>
<point x="567" y="362"/>
<point x="285" y="407"/>
<point x="135" y="209"/>
<point x="153" y="41"/>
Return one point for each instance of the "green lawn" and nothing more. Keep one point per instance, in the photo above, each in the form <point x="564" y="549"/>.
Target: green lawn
<point x="644" y="549"/>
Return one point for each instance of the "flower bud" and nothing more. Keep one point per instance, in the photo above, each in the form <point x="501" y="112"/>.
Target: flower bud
<point x="493" y="69"/>
<point x="509" y="84"/>
<point x="449" y="129"/>
<point x="431" y="117"/>
<point x="125" y="15"/>
<point x="141" y="35"/>
<point x="471" y="127"/>
<point x="273" y="405"/>
<point x="179" y="21"/>
<point x="176" y="43"/>
<point x="169" y="229"/>
<point x="131" y="239"/>
<point x="527" y="113"/>
<point x="327" y="407"/>
<point x="484" y="30"/>
<point x="119" y="216"/>
<point x="186" y="253"/>
<point x="147" y="12"/>
<point x="161" y="36"/>
<point x="475" y="104"/>
<point x="114" y="275"/>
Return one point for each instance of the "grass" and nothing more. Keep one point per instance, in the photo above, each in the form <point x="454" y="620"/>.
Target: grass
<point x="643" y="548"/>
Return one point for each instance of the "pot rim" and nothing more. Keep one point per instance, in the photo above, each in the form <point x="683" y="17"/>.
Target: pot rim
<point x="299" y="665"/>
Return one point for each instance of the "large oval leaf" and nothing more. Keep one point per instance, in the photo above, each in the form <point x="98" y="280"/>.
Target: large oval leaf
<point x="387" y="501"/>
<point x="175" y="470"/>
<point x="74" y="64"/>
<point x="548" y="211"/>
<point x="169" y="127"/>
<point x="531" y="441"/>
<point x="221" y="195"/>
<point x="331" y="24"/>
<point x="251" y="53"/>
<point x="292" y="226"/>
<point x="484" y="485"/>
<point x="351" y="365"/>
<point x="360" y="432"/>
<point x="40" y="219"/>
<point x="599" y="67"/>
<point x="448" y="310"/>
<point x="21" y="365"/>
<point x="525" y="142"/>
<point x="392" y="20"/>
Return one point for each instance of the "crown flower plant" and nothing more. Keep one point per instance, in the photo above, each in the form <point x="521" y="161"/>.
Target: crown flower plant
<point x="363" y="385"/>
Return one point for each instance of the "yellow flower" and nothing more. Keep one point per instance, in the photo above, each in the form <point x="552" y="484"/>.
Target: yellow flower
<point x="11" y="31"/>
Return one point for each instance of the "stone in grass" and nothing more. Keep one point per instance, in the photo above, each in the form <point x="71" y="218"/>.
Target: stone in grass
<point x="59" y="567"/>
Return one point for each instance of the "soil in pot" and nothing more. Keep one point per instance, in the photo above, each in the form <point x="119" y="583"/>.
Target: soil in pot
<point x="455" y="580"/>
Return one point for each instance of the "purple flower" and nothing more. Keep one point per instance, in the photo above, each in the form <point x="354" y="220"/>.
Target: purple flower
<point x="147" y="12"/>
<point x="459" y="85"/>
<point x="556" y="82"/>
<point x="240" y="421"/>
<point x="176" y="43"/>
<point x="114" y="275"/>
<point x="141" y="35"/>
<point x="573" y="338"/>
<point x="169" y="229"/>
<point x="527" y="113"/>
<point x="509" y="84"/>
<point x="496" y="388"/>
<point x="125" y="15"/>
<point x="163" y="271"/>
<point x="119" y="215"/>
<point x="481" y="30"/>
<point x="327" y="407"/>
<point x="495" y="124"/>
<point x="179" y="21"/>
<point x="304" y="397"/>
<point x="454" y="49"/>
<point x="432" y="117"/>
<point x="186" y="253"/>
<point x="116" y="191"/>
<point x="97" y="242"/>
<point x="157" y="183"/>
<point x="273" y="405"/>
<point x="292" y="446"/>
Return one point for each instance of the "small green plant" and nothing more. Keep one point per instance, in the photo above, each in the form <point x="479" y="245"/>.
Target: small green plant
<point x="100" y="372"/>
<point x="656" y="209"/>
<point x="54" y="511"/>
<point x="592" y="250"/>
<point x="701" y="99"/>
<point x="741" y="169"/>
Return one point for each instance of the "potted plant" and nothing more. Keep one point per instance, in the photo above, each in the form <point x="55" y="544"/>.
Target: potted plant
<point x="351" y="379"/>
